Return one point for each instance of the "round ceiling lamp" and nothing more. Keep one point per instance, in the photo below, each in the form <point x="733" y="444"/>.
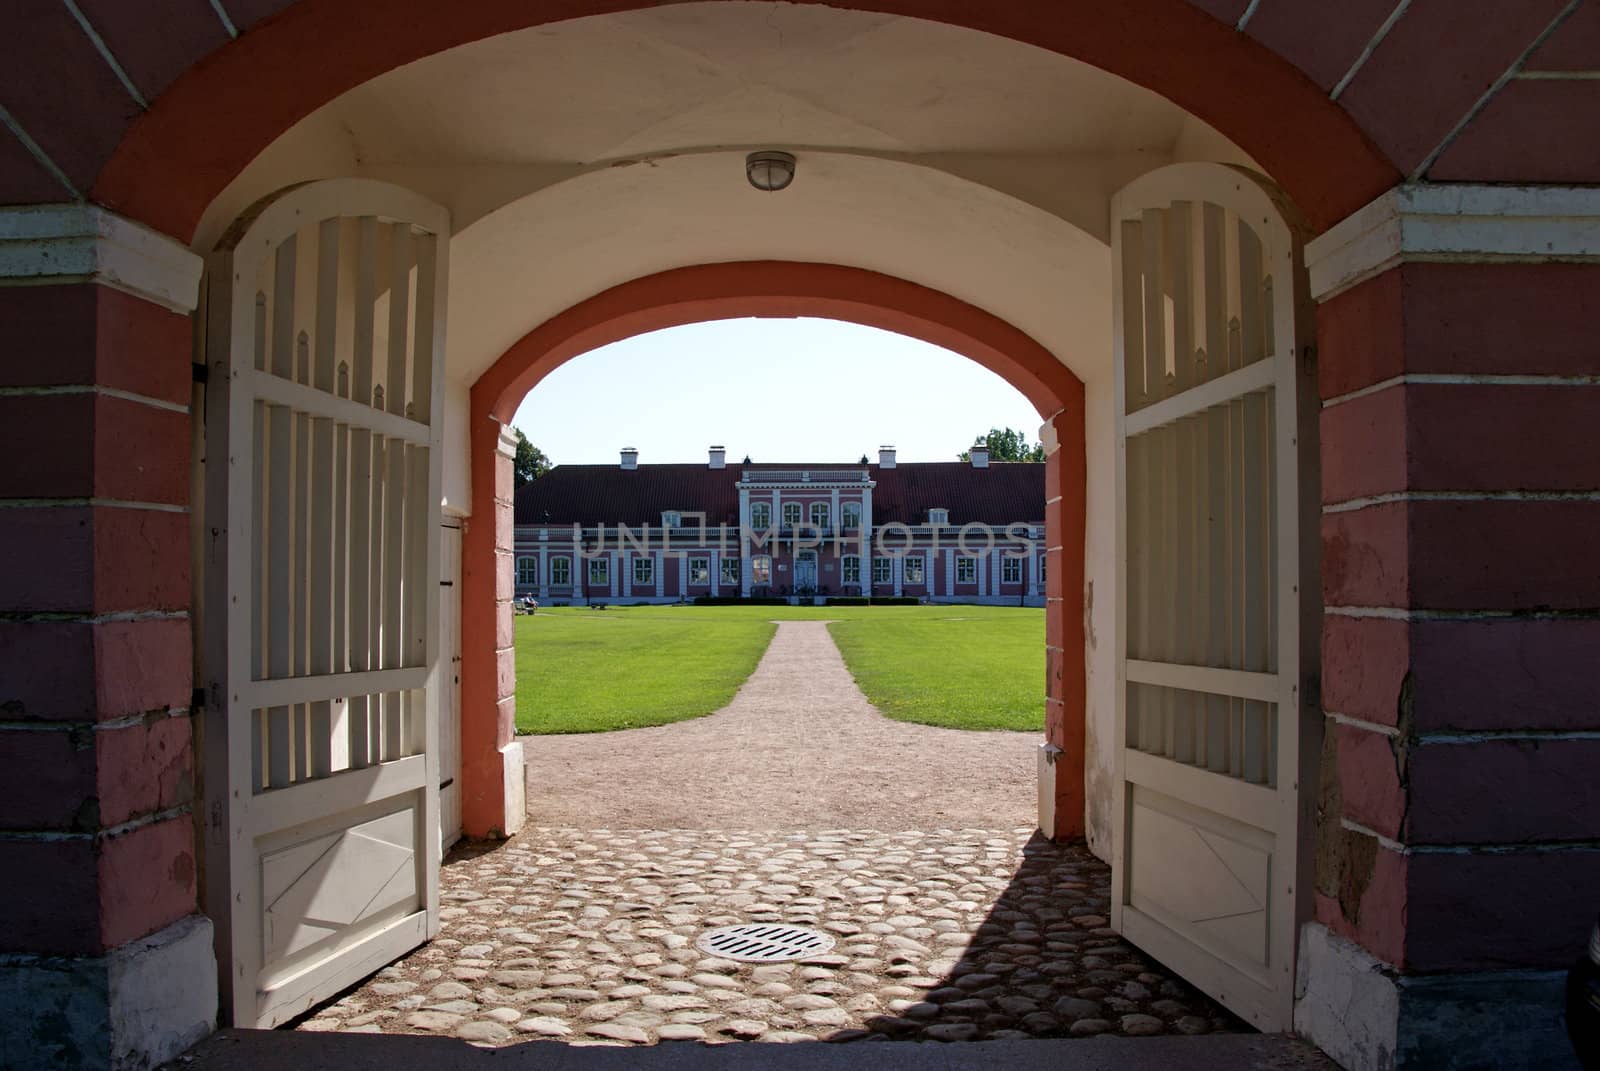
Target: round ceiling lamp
<point x="769" y="170"/>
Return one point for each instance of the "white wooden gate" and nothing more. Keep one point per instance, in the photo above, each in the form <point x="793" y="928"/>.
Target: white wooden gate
<point x="1217" y="591"/>
<point x="324" y="348"/>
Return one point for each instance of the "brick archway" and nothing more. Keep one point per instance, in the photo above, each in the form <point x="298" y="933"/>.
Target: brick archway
<point x="768" y="289"/>
<point x="164" y="172"/>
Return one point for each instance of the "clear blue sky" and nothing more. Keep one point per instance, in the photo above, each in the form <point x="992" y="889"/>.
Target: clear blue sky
<point x="777" y="390"/>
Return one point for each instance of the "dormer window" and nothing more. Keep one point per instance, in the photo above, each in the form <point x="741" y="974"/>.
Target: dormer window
<point x="671" y="519"/>
<point x="938" y="516"/>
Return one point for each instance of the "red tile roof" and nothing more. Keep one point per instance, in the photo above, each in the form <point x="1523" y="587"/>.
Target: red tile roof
<point x="1002" y="493"/>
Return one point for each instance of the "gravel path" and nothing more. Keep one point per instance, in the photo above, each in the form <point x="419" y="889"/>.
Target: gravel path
<point x="799" y="747"/>
<point x="588" y="936"/>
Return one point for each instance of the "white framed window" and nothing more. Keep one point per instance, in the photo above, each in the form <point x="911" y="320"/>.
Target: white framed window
<point x="599" y="571"/>
<point x="527" y="571"/>
<point x="761" y="570"/>
<point x="819" y="515"/>
<point x="1011" y="570"/>
<point x="561" y="571"/>
<point x="850" y="515"/>
<point x="760" y="516"/>
<point x="966" y="570"/>
<point x="730" y="571"/>
<point x="644" y="570"/>
<point x="671" y="519"/>
<point x="938" y="516"/>
<point x="699" y="570"/>
<point x="791" y="514"/>
<point x="882" y="570"/>
<point x="912" y="571"/>
<point x="850" y="569"/>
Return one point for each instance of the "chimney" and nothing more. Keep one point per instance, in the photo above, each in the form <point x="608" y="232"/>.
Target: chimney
<point x="886" y="457"/>
<point x="979" y="454"/>
<point x="630" y="459"/>
<point x="719" y="457"/>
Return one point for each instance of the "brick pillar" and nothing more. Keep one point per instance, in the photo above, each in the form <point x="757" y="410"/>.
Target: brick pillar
<point x="1456" y="865"/>
<point x="493" y="796"/>
<point x="104" y="960"/>
<point x="1062" y="803"/>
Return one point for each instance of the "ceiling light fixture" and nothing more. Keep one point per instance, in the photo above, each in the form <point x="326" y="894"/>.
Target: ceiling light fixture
<point x="769" y="170"/>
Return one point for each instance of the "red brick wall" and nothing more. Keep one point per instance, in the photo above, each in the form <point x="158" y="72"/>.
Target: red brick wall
<point x="1463" y="613"/>
<point x="94" y="625"/>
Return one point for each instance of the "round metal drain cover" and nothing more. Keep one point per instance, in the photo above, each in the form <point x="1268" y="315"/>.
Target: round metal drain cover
<point x="764" y="942"/>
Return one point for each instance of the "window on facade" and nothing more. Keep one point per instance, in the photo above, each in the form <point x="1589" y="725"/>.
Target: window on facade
<point x="850" y="569"/>
<point x="760" y="516"/>
<point x="791" y="514"/>
<point x="560" y="571"/>
<point x="527" y="571"/>
<point x="671" y="519"/>
<point x="644" y="571"/>
<point x="1011" y="570"/>
<point x="1041" y="570"/>
<point x="938" y="516"/>
<point x="819" y="515"/>
<point x="730" y="570"/>
<point x="850" y="514"/>
<point x="912" y="570"/>
<point x="599" y="571"/>
<point x="966" y="570"/>
<point x="699" y="570"/>
<point x="882" y="570"/>
<point x="761" y="571"/>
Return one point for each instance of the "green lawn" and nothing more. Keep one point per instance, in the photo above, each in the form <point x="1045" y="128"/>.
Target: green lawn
<point x="584" y="670"/>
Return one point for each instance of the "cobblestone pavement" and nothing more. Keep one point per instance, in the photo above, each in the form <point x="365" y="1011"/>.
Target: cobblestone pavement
<point x="588" y="936"/>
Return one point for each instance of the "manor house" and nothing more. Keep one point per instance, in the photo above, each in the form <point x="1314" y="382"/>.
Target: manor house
<point x="962" y="531"/>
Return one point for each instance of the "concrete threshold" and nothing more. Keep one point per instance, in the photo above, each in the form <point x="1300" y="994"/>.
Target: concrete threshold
<point x="284" y="1050"/>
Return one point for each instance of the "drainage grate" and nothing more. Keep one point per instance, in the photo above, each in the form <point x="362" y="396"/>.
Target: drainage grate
<point x="763" y="942"/>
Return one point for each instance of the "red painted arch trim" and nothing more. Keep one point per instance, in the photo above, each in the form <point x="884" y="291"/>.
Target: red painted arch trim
<point x="771" y="288"/>
<point x="216" y="118"/>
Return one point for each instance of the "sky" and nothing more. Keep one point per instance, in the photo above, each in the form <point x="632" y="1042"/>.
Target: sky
<point x="775" y="390"/>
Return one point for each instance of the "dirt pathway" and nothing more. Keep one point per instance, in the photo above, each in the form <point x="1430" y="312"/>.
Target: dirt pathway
<point x="799" y="747"/>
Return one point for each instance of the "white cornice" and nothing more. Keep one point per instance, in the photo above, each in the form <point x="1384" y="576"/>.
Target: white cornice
<point x="1435" y="222"/>
<point x="85" y="243"/>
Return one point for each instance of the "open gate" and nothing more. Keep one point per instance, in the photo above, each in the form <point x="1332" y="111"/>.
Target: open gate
<point x="1218" y="600"/>
<point x="324" y="351"/>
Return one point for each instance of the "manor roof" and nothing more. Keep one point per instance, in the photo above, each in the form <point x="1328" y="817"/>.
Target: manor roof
<point x="1001" y="493"/>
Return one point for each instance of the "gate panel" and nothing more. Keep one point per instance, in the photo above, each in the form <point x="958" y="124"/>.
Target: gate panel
<point x="324" y="340"/>
<point x="1218" y="592"/>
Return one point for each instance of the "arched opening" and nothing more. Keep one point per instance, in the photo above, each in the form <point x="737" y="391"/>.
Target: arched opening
<point x="770" y="289"/>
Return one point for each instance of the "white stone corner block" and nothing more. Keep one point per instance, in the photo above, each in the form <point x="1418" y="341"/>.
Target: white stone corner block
<point x="86" y="243"/>
<point x="163" y="992"/>
<point x="516" y="788"/>
<point x="1450" y="222"/>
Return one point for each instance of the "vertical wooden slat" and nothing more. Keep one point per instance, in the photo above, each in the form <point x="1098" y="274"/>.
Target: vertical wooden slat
<point x="1214" y="264"/>
<point x="1153" y="231"/>
<point x="1256" y="566"/>
<point x="322" y="494"/>
<point x="1216" y="569"/>
<point x="1180" y="282"/>
<point x="361" y="488"/>
<point x="1236" y="571"/>
<point x="1230" y="277"/>
<point x="1132" y="249"/>
<point x="339" y="731"/>
<point x="300" y="579"/>
<point x="422" y="355"/>
<point x="279" y="478"/>
<point x="1250" y="318"/>
<point x="393" y="454"/>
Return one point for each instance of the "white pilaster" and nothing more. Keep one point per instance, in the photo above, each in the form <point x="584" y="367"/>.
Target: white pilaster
<point x="1455" y="222"/>
<point x="85" y="243"/>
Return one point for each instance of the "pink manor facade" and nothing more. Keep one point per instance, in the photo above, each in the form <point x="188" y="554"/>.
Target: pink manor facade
<point x="967" y="532"/>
